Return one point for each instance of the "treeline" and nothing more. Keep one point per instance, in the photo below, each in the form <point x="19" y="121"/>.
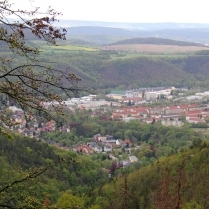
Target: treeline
<point x="156" y="41"/>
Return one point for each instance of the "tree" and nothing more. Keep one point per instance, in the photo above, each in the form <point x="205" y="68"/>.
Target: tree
<point x="21" y="188"/>
<point x="29" y="82"/>
<point x="67" y="200"/>
<point x="19" y="191"/>
<point x="192" y="205"/>
<point x="113" y="167"/>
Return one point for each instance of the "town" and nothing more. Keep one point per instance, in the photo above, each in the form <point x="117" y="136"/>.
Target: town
<point x="145" y="105"/>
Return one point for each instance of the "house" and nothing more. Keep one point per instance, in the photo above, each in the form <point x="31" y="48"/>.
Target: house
<point x="124" y="163"/>
<point x="173" y="110"/>
<point x="95" y="137"/>
<point x="109" y="143"/>
<point x="151" y="95"/>
<point x="149" y="120"/>
<point x="49" y="126"/>
<point x="132" y="158"/>
<point x="195" y="120"/>
<point x="176" y="123"/>
<point x="111" y="156"/>
<point x="102" y="138"/>
<point x="118" y="142"/>
<point x="84" y="149"/>
<point x="94" y="146"/>
<point x="115" y="96"/>
<point x="133" y="93"/>
<point x="129" y="112"/>
<point x="127" y="142"/>
<point x="107" y="148"/>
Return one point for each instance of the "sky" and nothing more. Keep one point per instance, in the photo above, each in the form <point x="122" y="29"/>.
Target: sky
<point x="135" y="11"/>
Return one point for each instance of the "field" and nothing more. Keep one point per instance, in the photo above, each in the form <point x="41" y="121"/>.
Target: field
<point x="68" y="48"/>
<point x="129" y="55"/>
<point x="62" y="47"/>
<point x="144" y="48"/>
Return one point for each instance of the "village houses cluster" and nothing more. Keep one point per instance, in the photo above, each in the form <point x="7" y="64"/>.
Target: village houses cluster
<point x="172" y="115"/>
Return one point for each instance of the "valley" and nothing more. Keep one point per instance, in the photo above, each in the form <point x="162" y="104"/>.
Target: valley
<point x="136" y="136"/>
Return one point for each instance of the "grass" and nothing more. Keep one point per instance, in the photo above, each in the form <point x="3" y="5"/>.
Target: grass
<point x="65" y="48"/>
<point x="155" y="55"/>
<point x="62" y="47"/>
<point x="74" y="48"/>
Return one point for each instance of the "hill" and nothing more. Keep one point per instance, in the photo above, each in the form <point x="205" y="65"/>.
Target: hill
<point x="109" y="69"/>
<point x="155" y="45"/>
<point x="23" y="155"/>
<point x="101" y="34"/>
<point x="155" y="41"/>
<point x="175" y="182"/>
<point x="132" y="26"/>
<point x="195" y="65"/>
<point x="82" y="176"/>
<point x="142" y="72"/>
<point x="97" y="30"/>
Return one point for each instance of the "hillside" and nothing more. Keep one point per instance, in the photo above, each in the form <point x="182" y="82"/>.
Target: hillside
<point x="83" y="177"/>
<point x="156" y="41"/>
<point x="195" y="65"/>
<point x="154" y="48"/>
<point x="175" y="182"/>
<point x="111" y="69"/>
<point x="142" y="72"/>
<point x="22" y="155"/>
<point x="107" y="69"/>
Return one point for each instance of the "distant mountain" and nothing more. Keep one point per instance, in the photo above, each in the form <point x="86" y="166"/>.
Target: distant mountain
<point x="97" y="30"/>
<point x="133" y="26"/>
<point x="107" y="35"/>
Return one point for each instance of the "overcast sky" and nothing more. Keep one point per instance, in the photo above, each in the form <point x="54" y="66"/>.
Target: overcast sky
<point x="138" y="11"/>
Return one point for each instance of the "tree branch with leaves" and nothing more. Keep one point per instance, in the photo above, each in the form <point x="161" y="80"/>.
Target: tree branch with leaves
<point x="32" y="83"/>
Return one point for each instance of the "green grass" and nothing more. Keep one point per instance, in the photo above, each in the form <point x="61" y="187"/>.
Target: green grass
<point x="62" y="47"/>
<point x="67" y="48"/>
<point x="135" y="55"/>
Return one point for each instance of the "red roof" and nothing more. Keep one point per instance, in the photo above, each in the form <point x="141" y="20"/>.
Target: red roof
<point x="127" y="141"/>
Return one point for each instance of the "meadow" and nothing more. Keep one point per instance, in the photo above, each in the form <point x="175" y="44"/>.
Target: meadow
<point x="165" y="49"/>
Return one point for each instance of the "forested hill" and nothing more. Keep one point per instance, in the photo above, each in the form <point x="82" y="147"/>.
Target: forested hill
<point x="156" y="41"/>
<point x="101" y="70"/>
<point x="176" y="182"/>
<point x="22" y="154"/>
<point x="141" y="71"/>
